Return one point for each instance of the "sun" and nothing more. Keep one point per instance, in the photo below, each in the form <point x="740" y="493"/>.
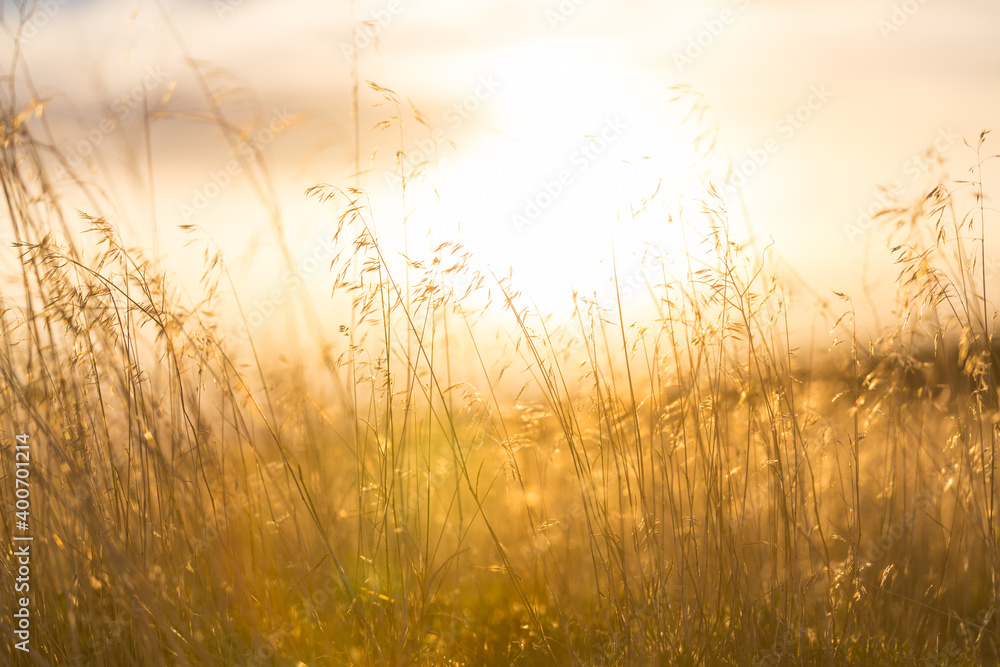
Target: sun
<point x="568" y="171"/>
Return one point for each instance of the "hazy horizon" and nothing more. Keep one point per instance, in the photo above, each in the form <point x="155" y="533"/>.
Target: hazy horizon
<point x="816" y="110"/>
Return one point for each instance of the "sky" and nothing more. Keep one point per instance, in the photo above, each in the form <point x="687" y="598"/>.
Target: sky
<point x="549" y="124"/>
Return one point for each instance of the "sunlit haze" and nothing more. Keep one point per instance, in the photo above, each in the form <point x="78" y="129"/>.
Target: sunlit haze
<point x="548" y="125"/>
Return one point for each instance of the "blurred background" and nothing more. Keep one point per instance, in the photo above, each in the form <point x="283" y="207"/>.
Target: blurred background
<point x="555" y="139"/>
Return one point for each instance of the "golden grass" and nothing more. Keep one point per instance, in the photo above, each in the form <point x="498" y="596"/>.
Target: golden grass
<point x="697" y="491"/>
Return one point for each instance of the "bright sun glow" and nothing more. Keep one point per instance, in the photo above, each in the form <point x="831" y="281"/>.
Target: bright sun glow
<point x="568" y="158"/>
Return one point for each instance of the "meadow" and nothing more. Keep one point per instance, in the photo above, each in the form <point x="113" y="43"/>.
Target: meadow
<point x="450" y="477"/>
